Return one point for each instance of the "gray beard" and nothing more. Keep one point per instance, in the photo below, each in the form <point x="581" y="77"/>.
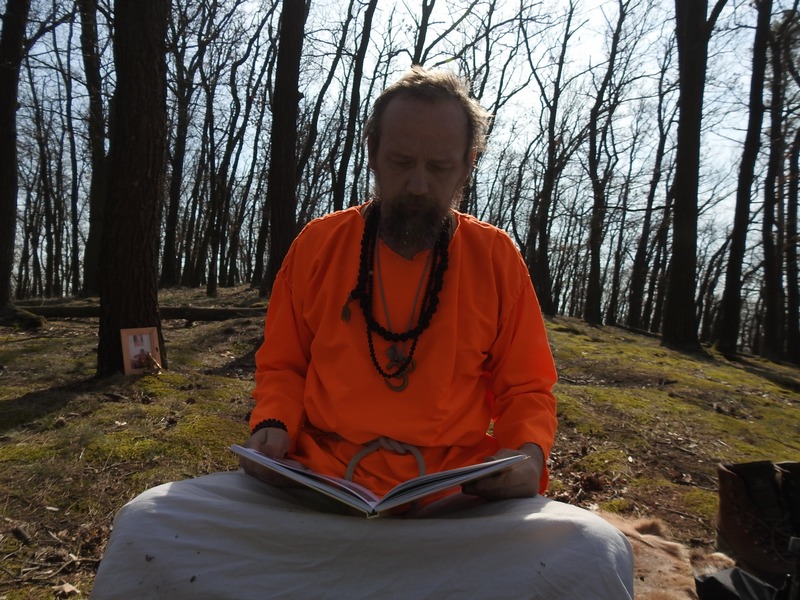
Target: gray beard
<point x="408" y="231"/>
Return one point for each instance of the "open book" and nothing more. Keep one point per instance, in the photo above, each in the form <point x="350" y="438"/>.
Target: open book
<point x="360" y="498"/>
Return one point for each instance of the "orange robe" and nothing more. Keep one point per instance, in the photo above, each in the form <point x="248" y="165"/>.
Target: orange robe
<point x="484" y="358"/>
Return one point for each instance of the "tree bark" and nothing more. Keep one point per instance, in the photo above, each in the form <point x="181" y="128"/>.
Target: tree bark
<point x="693" y="31"/>
<point x="185" y="87"/>
<point x="771" y="225"/>
<point x="792" y="242"/>
<point x="97" y="136"/>
<point x="340" y="184"/>
<point x="137" y="169"/>
<point x="282" y="184"/>
<point x="560" y="146"/>
<point x="12" y="43"/>
<point x="606" y="103"/>
<point x="641" y="260"/>
<point x="726" y="334"/>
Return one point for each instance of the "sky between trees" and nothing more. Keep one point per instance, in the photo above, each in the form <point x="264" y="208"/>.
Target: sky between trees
<point x="585" y="125"/>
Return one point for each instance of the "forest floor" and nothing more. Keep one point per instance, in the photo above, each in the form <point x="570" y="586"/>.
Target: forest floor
<point x="641" y="430"/>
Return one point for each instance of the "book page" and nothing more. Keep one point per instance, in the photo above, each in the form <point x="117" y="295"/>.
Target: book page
<point x="366" y="501"/>
<point x="340" y="489"/>
<point x="419" y="487"/>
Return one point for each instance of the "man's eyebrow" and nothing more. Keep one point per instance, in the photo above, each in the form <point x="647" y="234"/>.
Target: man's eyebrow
<point x="408" y="154"/>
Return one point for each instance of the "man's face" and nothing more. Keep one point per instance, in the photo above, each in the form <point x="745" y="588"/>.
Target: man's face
<point x="420" y="165"/>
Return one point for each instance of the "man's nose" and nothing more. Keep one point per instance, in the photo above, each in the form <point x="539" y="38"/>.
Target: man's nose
<point x="418" y="181"/>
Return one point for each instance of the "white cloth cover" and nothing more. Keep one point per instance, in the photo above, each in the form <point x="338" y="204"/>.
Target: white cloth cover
<point x="227" y="535"/>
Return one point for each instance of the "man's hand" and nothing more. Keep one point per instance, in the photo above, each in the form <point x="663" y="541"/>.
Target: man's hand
<point x="519" y="481"/>
<point x="274" y="442"/>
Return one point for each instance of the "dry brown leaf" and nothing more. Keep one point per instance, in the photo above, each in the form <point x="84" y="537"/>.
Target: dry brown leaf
<point x="65" y="590"/>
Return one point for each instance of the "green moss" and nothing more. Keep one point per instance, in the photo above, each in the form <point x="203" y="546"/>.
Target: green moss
<point x="572" y="411"/>
<point x="700" y="502"/>
<point x="617" y="505"/>
<point x="608" y="461"/>
<point x="25" y="452"/>
<point x="649" y="485"/>
<point x="208" y="433"/>
<point x="125" y="446"/>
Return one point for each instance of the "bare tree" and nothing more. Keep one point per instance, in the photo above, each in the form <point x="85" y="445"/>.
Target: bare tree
<point x="49" y="153"/>
<point x="727" y="332"/>
<point x="423" y="48"/>
<point x="772" y="227"/>
<point x="792" y="243"/>
<point x="282" y="185"/>
<point x="137" y="167"/>
<point x="188" y="19"/>
<point x="12" y="44"/>
<point x="692" y="30"/>
<point x="13" y="48"/>
<point x="353" y="106"/>
<point x="563" y="136"/>
<point x="602" y="161"/>
<point x="70" y="192"/>
<point x="665" y="116"/>
<point x="224" y="166"/>
<point x="97" y="139"/>
<point x="792" y="202"/>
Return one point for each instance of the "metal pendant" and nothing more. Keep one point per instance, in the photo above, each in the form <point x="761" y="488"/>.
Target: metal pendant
<point x="396" y="359"/>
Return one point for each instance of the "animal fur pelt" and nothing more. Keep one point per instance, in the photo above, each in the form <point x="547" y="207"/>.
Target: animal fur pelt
<point x="663" y="569"/>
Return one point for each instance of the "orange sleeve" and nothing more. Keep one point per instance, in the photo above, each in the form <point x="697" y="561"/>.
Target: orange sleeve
<point x="283" y="358"/>
<point x="523" y="373"/>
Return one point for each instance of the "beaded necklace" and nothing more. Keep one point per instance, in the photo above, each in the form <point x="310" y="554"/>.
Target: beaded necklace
<point x="395" y="354"/>
<point x="363" y="292"/>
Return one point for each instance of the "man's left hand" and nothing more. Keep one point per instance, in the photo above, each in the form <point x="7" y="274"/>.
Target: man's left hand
<point x="519" y="481"/>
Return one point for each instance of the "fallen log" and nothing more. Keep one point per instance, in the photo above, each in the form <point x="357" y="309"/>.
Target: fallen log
<point x="188" y="313"/>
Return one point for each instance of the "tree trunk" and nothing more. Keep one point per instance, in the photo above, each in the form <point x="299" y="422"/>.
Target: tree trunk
<point x="792" y="238"/>
<point x="340" y="184"/>
<point x="654" y="302"/>
<point x="46" y="147"/>
<point x="726" y="335"/>
<point x="185" y="87"/>
<point x="422" y="31"/>
<point x="137" y="169"/>
<point x="97" y="135"/>
<point x="605" y="103"/>
<point x="706" y="293"/>
<point x="282" y="184"/>
<point x="771" y="227"/>
<point x="560" y="145"/>
<point x="641" y="260"/>
<point x="792" y="242"/>
<point x="170" y="261"/>
<point x="692" y="32"/>
<point x="12" y="41"/>
<point x="72" y="271"/>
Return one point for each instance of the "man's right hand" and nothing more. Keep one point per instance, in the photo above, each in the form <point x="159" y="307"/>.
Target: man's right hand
<point x="274" y="442"/>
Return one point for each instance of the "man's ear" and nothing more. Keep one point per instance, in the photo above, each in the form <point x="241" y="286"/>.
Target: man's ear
<point x="473" y="157"/>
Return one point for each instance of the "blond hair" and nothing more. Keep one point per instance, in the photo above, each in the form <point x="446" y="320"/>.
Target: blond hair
<point x="433" y="85"/>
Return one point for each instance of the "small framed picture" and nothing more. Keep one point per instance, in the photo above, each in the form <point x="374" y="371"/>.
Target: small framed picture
<point x="140" y="351"/>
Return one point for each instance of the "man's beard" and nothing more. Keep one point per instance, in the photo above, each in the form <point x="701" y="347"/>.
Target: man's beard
<point x="409" y="224"/>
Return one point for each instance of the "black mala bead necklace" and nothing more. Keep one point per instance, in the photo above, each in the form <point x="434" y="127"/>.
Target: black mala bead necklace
<point x="399" y="367"/>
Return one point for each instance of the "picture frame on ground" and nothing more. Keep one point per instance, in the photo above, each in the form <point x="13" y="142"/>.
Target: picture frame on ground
<point x="140" y="352"/>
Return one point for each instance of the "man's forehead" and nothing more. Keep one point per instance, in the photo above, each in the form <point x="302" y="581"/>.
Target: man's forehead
<point x="411" y="122"/>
